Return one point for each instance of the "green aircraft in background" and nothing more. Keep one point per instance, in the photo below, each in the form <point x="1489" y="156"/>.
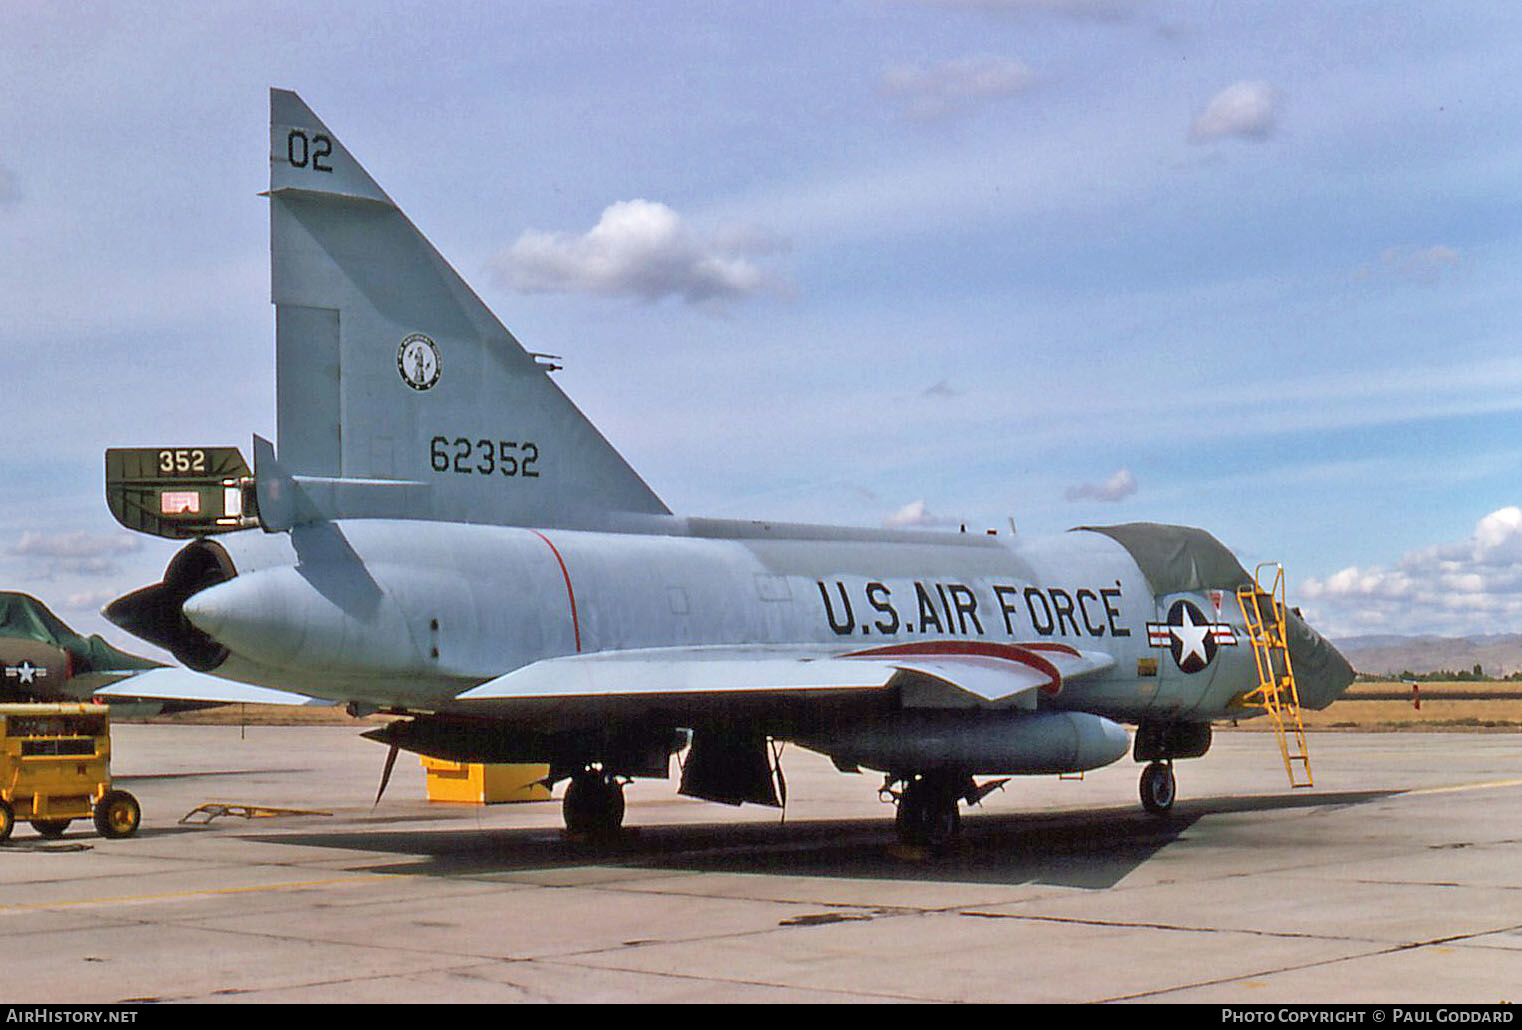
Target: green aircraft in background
<point x="43" y="659"/>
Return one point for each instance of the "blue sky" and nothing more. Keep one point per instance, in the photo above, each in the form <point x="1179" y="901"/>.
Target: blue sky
<point x="1246" y="266"/>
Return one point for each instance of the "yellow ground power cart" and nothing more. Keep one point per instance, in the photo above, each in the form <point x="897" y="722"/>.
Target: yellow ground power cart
<point x="55" y="767"/>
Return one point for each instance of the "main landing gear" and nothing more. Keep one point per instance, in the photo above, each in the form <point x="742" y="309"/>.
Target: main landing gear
<point x="928" y="815"/>
<point x="1158" y="788"/>
<point x="594" y="803"/>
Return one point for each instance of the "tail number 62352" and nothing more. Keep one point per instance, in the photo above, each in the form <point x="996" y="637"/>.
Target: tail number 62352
<point x="463" y="456"/>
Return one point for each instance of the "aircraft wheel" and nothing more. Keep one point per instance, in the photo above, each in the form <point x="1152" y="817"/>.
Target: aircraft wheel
<point x="927" y="815"/>
<point x="594" y="804"/>
<point x="117" y="814"/>
<point x="1158" y="788"/>
<point x="51" y="828"/>
<point x="7" y="819"/>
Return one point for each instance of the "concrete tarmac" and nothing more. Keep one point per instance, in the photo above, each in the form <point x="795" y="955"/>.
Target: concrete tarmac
<point x="1398" y="878"/>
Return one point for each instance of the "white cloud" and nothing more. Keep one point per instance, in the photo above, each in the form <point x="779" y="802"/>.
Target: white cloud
<point x="643" y="249"/>
<point x="915" y="515"/>
<point x="1247" y="109"/>
<point x="1419" y="264"/>
<point x="1117" y="488"/>
<point x="89" y="600"/>
<point x="946" y="88"/>
<point x="1498" y="537"/>
<point x="1459" y="589"/>
<point x="78" y="552"/>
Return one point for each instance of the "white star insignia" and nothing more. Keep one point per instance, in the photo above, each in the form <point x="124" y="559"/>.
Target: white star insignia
<point x="1191" y="637"/>
<point x="26" y="672"/>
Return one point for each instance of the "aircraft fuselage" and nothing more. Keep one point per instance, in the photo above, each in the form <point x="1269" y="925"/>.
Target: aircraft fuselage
<point x="408" y="614"/>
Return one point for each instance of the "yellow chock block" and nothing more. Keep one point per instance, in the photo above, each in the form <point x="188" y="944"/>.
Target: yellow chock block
<point x="481" y="784"/>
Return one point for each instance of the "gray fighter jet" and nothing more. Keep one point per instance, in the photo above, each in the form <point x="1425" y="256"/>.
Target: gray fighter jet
<point x="443" y="535"/>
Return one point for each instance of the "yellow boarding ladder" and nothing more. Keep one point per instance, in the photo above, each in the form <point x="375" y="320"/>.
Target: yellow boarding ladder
<point x="1263" y="611"/>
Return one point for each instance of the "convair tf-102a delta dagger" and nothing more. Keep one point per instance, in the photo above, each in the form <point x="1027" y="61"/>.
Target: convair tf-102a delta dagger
<point x="442" y="535"/>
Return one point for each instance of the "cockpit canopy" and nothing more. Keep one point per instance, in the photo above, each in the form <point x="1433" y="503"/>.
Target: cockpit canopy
<point x="1177" y="559"/>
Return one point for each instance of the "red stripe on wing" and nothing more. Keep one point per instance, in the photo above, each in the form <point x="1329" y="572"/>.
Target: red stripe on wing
<point x="1021" y="654"/>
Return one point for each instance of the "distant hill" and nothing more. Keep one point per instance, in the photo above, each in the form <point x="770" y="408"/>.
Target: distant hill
<point x="1497" y="654"/>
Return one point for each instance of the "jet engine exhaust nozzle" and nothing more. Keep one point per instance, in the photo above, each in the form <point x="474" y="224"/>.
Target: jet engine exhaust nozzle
<point x="156" y="613"/>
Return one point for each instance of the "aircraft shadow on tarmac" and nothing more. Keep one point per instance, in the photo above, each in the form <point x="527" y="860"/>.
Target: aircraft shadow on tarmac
<point x="1092" y="849"/>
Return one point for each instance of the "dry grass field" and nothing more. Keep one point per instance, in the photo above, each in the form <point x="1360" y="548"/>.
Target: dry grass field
<point x="1468" y="707"/>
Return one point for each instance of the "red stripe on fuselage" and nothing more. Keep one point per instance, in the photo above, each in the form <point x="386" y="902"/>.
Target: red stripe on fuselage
<point x="569" y="592"/>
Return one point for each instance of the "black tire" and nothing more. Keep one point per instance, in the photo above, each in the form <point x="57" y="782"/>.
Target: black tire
<point x="7" y="819"/>
<point x="1158" y="788"/>
<point x="593" y="805"/>
<point x="927" y="817"/>
<point x="117" y="814"/>
<point x="51" y="828"/>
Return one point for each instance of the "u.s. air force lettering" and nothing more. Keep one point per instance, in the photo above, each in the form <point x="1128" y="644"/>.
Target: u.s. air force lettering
<point x="942" y="608"/>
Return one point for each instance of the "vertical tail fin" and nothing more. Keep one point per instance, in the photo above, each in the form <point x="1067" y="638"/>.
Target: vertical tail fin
<point x="389" y="369"/>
